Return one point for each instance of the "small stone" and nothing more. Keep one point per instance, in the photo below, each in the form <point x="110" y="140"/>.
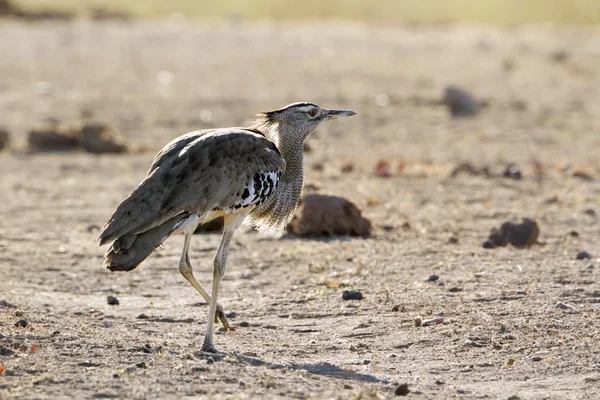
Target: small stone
<point x="563" y="306"/>
<point x="244" y="324"/>
<point x="398" y="307"/>
<point x="21" y="323"/>
<point x="439" y="283"/>
<point x="509" y="362"/>
<point x="402" y="390"/>
<point x="418" y="320"/>
<point x="433" y="278"/>
<point x="590" y="211"/>
<point x="512" y="171"/>
<point x="131" y="368"/>
<point x="352" y="295"/>
<point x="514" y="397"/>
<point x="536" y="358"/>
<point x="112" y="301"/>
<point x="583" y="255"/>
<point x="460" y="102"/>
<point x="367" y="362"/>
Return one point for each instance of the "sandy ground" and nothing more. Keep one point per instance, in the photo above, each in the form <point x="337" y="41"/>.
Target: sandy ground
<point x="294" y="335"/>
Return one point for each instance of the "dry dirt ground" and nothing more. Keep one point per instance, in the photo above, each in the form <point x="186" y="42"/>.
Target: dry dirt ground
<point x="294" y="335"/>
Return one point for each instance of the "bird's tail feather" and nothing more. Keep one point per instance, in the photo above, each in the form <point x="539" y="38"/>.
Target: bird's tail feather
<point x="128" y="251"/>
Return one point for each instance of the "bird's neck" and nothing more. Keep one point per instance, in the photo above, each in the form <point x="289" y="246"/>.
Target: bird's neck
<point x="291" y="147"/>
<point x="274" y="215"/>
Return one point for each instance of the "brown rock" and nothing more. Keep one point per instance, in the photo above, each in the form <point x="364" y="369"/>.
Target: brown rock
<point x="211" y="226"/>
<point x="100" y="138"/>
<point x="52" y="136"/>
<point x="320" y="215"/>
<point x="520" y="235"/>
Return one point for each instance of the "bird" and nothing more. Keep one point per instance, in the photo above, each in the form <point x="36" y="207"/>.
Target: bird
<point x="253" y="174"/>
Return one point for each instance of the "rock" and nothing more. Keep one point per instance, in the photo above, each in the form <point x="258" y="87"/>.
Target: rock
<point x="512" y="171"/>
<point x="520" y="235"/>
<point x="52" y="136"/>
<point x="564" y="306"/>
<point x="382" y="169"/>
<point x="470" y="170"/>
<point x="583" y="255"/>
<point x="4" y="135"/>
<point x="432" y="278"/>
<point x="352" y="295"/>
<point x="112" y="301"/>
<point x="460" y="102"/>
<point x="215" y="225"/>
<point x="321" y="215"/>
<point x="402" y="390"/>
<point x="21" y="323"/>
<point x="453" y="239"/>
<point x="99" y="138"/>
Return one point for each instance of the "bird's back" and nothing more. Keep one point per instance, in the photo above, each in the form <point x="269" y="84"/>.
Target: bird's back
<point x="200" y="172"/>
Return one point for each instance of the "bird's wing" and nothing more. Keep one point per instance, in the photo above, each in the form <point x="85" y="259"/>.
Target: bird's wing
<point x="224" y="169"/>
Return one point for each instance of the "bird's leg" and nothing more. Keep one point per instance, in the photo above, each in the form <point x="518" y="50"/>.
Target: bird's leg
<point x="185" y="267"/>
<point x="220" y="264"/>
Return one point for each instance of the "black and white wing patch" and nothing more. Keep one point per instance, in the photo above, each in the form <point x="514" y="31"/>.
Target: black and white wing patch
<point x="259" y="189"/>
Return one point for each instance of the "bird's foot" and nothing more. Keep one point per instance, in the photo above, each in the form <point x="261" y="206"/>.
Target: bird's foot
<point x="209" y="348"/>
<point x="220" y="316"/>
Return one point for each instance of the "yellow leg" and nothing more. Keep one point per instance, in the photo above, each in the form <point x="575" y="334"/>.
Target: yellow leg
<point x="185" y="268"/>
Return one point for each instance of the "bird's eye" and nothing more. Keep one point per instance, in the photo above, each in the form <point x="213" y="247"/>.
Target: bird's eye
<point x="313" y="112"/>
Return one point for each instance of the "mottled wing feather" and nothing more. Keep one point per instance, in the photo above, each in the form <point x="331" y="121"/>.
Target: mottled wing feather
<point x="198" y="173"/>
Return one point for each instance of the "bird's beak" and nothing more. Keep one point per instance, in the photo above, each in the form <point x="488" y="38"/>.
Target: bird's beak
<point x="332" y="114"/>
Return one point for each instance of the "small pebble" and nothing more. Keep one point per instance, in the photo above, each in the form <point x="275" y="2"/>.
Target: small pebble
<point x="583" y="255"/>
<point x="112" y="300"/>
<point x="402" y="390"/>
<point x="418" y="320"/>
<point x="352" y="295"/>
<point x="513" y="171"/>
<point x="536" y="358"/>
<point x="131" y="368"/>
<point x="563" y="306"/>
<point x="433" y="278"/>
<point x="21" y="323"/>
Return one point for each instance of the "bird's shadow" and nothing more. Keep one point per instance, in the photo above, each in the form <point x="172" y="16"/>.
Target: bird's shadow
<point x="319" y="368"/>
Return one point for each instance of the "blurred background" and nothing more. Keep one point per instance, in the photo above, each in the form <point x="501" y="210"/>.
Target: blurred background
<point x="387" y="11"/>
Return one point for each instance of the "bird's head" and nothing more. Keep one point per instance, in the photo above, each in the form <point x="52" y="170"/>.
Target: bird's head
<point x="298" y="120"/>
